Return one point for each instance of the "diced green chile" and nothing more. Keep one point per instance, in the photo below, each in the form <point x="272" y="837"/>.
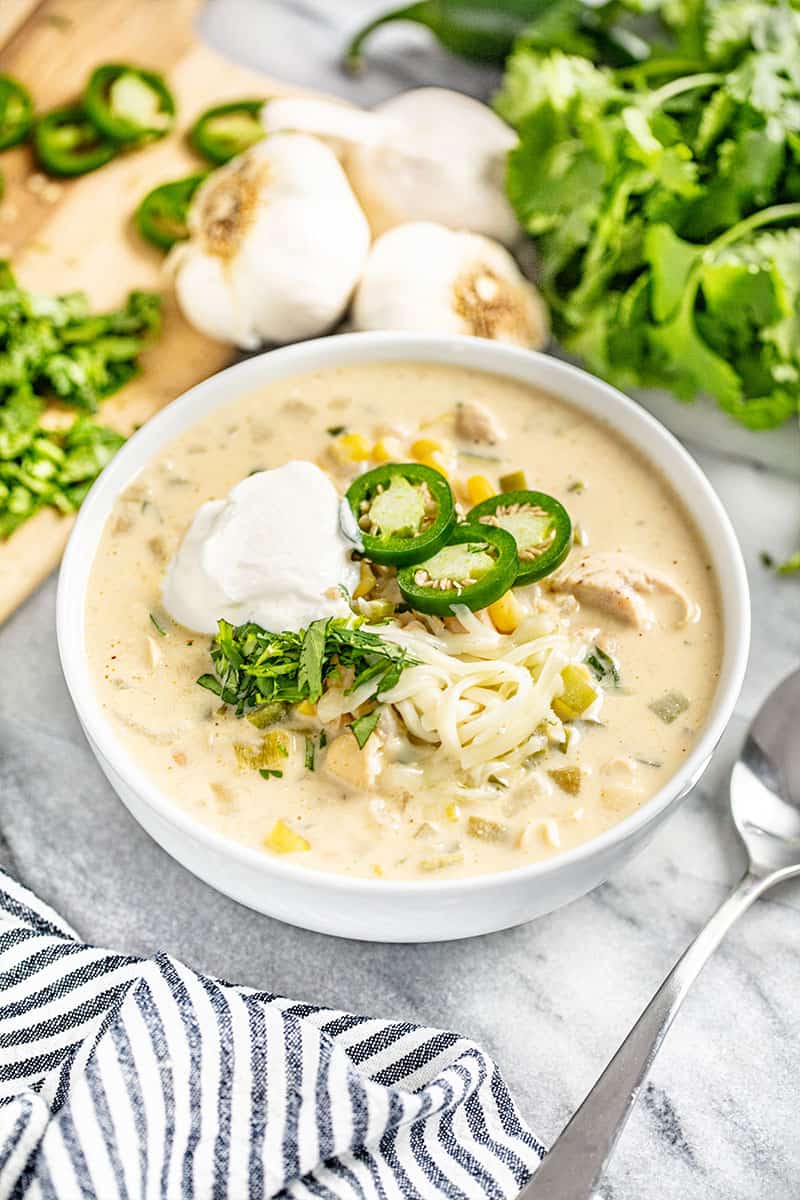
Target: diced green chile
<point x="161" y="216"/>
<point x="222" y="132"/>
<point x="476" y="567"/>
<point x="540" y="525"/>
<point x="405" y="512"/>
<point x="16" y="112"/>
<point x="128" y="104"/>
<point x="66" y="143"/>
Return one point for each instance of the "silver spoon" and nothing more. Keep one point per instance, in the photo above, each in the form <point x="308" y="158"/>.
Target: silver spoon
<point x="765" y="803"/>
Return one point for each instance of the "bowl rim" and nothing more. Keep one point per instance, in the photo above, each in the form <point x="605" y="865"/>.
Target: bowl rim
<point x="625" y="418"/>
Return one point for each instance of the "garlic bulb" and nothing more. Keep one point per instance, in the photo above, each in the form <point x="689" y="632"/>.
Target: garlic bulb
<point x="426" y="278"/>
<point x="277" y="243"/>
<point x="429" y="154"/>
<point x="339" y="125"/>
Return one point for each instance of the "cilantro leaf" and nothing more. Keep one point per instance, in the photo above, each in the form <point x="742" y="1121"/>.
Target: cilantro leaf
<point x="363" y="728"/>
<point x="309" y="672"/>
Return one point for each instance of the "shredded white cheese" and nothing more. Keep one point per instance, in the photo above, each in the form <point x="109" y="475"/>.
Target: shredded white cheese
<point x="483" y="697"/>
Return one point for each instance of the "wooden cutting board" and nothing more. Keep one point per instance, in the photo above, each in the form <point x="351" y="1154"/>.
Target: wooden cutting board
<point x="78" y="234"/>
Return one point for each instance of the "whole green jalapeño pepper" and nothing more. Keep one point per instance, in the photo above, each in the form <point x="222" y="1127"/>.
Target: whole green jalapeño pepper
<point x="539" y="524"/>
<point x="128" y="104"/>
<point x="67" y="143"/>
<point x="161" y="216"/>
<point x="220" y="133"/>
<point x="16" y="112"/>
<point x="476" y="567"/>
<point x="474" y="29"/>
<point x="487" y="29"/>
<point x="405" y="512"/>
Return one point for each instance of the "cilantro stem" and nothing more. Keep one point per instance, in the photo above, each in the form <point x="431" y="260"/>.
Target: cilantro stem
<point x="676" y="87"/>
<point x="657" y="66"/>
<point x="764" y="216"/>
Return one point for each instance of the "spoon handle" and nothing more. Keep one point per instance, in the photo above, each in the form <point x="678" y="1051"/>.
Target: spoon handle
<point x="573" y="1167"/>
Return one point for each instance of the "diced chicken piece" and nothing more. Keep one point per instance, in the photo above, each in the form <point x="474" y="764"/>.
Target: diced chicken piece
<point x="350" y="765"/>
<point x="616" y="584"/>
<point x="474" y="423"/>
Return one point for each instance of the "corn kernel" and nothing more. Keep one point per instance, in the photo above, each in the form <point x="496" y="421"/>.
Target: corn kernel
<point x="506" y="613"/>
<point x="424" y="447"/>
<point x="479" y="488"/>
<point x="377" y="870"/>
<point x="283" y="840"/>
<point x="355" y="446"/>
<point x="453" y="811"/>
<point x="380" y="452"/>
<point x="366" y="582"/>
<point x="307" y="709"/>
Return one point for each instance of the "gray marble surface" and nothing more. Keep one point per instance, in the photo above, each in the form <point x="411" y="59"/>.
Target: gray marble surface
<point x="551" y="999"/>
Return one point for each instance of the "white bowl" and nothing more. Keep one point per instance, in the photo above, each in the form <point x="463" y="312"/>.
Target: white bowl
<point x="378" y="910"/>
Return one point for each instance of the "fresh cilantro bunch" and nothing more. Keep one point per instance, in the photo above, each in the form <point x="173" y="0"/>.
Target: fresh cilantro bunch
<point x="664" y="194"/>
<point x="55" y="347"/>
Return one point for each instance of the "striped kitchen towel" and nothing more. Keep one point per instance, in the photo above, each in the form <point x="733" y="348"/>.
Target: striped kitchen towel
<point x="140" y="1078"/>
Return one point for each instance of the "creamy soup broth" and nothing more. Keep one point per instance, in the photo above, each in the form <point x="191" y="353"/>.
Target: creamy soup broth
<point x="183" y="738"/>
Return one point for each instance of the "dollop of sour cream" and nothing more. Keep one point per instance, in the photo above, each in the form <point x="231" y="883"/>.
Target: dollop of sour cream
<point x="276" y="550"/>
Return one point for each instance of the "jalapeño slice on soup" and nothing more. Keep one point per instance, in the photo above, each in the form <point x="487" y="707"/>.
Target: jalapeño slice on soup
<point x="476" y="567"/>
<point x="405" y="512"/>
<point x="539" y="524"/>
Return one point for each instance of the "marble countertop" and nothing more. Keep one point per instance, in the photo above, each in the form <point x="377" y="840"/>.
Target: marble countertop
<point x="551" y="999"/>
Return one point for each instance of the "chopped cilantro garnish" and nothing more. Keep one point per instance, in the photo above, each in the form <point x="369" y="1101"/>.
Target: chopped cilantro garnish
<point x="603" y="667"/>
<point x="159" y="628"/>
<point x="363" y="727"/>
<point x="311" y="751"/>
<point x="253" y="667"/>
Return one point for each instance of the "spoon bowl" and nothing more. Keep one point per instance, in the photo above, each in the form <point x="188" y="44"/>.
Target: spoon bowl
<point x="765" y="783"/>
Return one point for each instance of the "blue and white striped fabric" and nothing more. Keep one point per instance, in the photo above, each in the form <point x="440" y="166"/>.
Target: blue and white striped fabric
<point x="129" y="1078"/>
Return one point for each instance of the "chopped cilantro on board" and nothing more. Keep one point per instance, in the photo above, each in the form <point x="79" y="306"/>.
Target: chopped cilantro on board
<point x="54" y="347"/>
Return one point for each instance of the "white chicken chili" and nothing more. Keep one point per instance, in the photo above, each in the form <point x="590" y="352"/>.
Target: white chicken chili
<point x="462" y="626"/>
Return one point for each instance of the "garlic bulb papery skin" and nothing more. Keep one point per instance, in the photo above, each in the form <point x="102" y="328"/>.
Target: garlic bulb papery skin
<point x="277" y="243"/>
<point x="339" y="125"/>
<point x="429" y="154"/>
<point x="424" y="277"/>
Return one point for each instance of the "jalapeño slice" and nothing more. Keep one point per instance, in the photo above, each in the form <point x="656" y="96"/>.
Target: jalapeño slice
<point x="67" y="143"/>
<point x="161" y="216"/>
<point x="16" y="111"/>
<point x="476" y="567"/>
<point x="539" y="524"/>
<point x="405" y="512"/>
<point x="220" y="133"/>
<point x="128" y="104"/>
